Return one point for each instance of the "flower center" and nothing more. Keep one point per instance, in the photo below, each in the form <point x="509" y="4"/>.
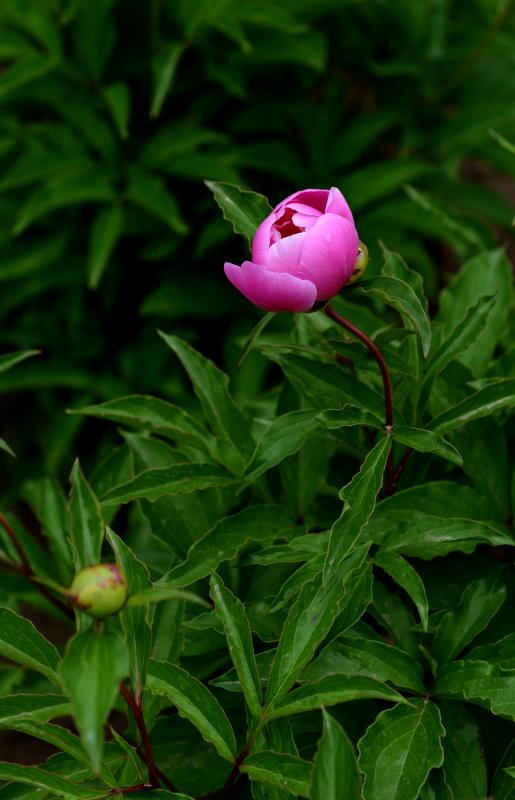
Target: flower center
<point x="285" y="225"/>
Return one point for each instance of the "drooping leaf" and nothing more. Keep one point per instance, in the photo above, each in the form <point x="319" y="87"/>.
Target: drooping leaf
<point x="335" y="775"/>
<point x="94" y="663"/>
<point x="22" y="643"/>
<point x="19" y="707"/>
<point x="405" y="576"/>
<point x="245" y="210"/>
<point x="399" y="749"/>
<point x="9" y="360"/>
<point x="424" y="441"/>
<point x="280" y="769"/>
<point x="486" y="401"/>
<point x="195" y="702"/>
<point x="478" y="682"/>
<point x="55" y="784"/>
<point x="231" y="611"/>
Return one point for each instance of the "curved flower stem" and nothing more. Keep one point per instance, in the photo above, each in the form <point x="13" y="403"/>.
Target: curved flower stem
<point x="137" y="712"/>
<point x="385" y="374"/>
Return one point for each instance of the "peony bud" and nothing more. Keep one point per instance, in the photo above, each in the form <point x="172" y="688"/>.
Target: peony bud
<point x="99" y="591"/>
<point x="302" y="253"/>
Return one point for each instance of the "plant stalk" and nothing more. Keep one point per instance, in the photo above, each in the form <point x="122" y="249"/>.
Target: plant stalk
<point x="137" y="712"/>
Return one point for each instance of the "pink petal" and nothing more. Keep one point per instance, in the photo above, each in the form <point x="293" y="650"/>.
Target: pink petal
<point x="284" y="255"/>
<point x="262" y="238"/>
<point x="337" y="204"/>
<point x="317" y="198"/>
<point x="329" y="253"/>
<point x="271" y="291"/>
<point x="305" y="216"/>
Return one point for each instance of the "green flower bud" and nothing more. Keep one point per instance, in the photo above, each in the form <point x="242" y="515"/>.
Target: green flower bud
<point x="99" y="591"/>
<point x="360" y="265"/>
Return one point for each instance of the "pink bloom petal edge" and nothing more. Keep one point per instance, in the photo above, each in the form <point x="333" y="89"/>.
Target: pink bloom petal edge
<point x="329" y="254"/>
<point x="271" y="291"/>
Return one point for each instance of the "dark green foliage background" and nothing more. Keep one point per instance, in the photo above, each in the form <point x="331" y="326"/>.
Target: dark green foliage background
<point x="113" y="114"/>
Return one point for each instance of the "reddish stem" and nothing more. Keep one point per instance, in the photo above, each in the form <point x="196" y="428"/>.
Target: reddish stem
<point x="139" y="718"/>
<point x="224" y="791"/>
<point x="26" y="570"/>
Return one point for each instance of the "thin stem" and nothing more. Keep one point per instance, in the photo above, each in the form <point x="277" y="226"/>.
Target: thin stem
<point x="25" y="569"/>
<point x="373" y="348"/>
<point x="400" y="469"/>
<point x="139" y="718"/>
<point x="162" y="777"/>
<point x="224" y="791"/>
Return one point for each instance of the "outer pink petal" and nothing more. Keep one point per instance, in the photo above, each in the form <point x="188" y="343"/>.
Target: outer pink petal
<point x="329" y="253"/>
<point x="261" y="240"/>
<point x="271" y="291"/>
<point x="317" y="198"/>
<point x="337" y="204"/>
<point x="284" y="255"/>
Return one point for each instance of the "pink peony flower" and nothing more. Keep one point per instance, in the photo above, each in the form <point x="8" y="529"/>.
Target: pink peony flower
<point x="303" y="252"/>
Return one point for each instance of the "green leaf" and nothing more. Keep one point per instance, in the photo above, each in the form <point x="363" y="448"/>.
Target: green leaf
<point x="287" y="433"/>
<point x="94" y="663"/>
<point x="20" y="707"/>
<point x="489" y="273"/>
<point x="401" y="296"/>
<point x="359" y="498"/>
<point x="211" y="386"/>
<point x="501" y="653"/>
<point x="135" y="623"/>
<point x="399" y="749"/>
<point x="480" y="602"/>
<point x="118" y="100"/>
<point x="330" y="691"/>
<point x="48" y="502"/>
<point x="5" y="447"/>
<point x="22" y="643"/>
<point x="280" y="769"/>
<point x="151" y="194"/>
<point x="105" y="232"/>
<point x="164" y="67"/>
<point x="464" y="764"/>
<point x="407" y="578"/>
<point x="254" y="336"/>
<point x="55" y="735"/>
<point x="245" y="210"/>
<point x="424" y="441"/>
<point x="226" y="539"/>
<point x="34" y="776"/>
<point x="231" y="612"/>
<point x="151" y="414"/>
<point x="86" y="524"/>
<point x="430" y="536"/>
<point x="486" y="401"/>
<point x="195" y="702"/>
<point x="335" y="775"/>
<point x="9" y="360"/>
<point x="350" y="654"/>
<point x="177" y="479"/>
<point x="308" y="622"/>
<point x="478" y="682"/>
<point x="157" y="594"/>
<point x="458" y="339"/>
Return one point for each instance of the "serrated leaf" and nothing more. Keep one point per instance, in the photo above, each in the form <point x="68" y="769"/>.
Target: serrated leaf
<point x="478" y="682"/>
<point x="245" y="210"/>
<point x="231" y="612"/>
<point x="105" y="232"/>
<point x="19" y="707"/>
<point x="280" y="769"/>
<point x="195" y="702"/>
<point x="22" y="643"/>
<point x="211" y="386"/>
<point x="401" y="296"/>
<point x="359" y="498"/>
<point x="332" y="690"/>
<point x="486" y="401"/>
<point x="399" y="749"/>
<point x="151" y="414"/>
<point x="335" y="775"/>
<point x="424" y="441"/>
<point x="407" y="578"/>
<point x="480" y="602"/>
<point x="94" y="662"/>
<point x="226" y="539"/>
<point x="308" y="622"/>
<point x="177" y="479"/>
<point x="86" y="524"/>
